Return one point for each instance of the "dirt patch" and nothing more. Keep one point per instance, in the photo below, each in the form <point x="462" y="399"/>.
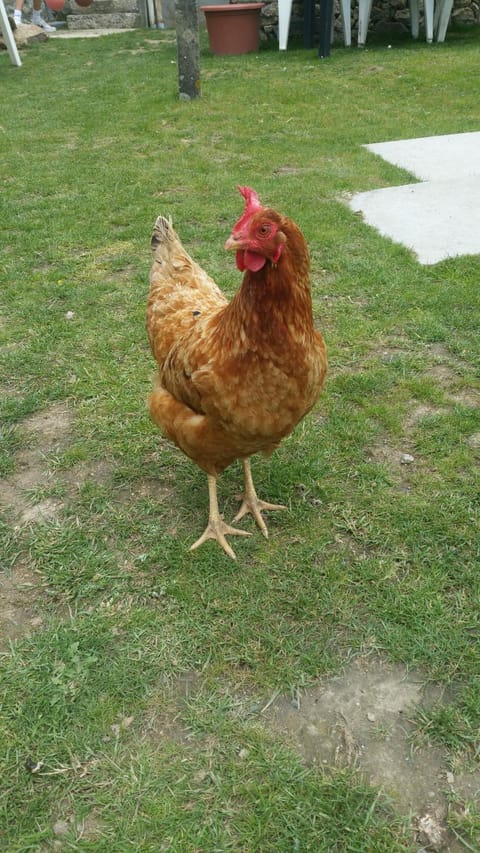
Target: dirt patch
<point x="19" y="614"/>
<point x="362" y="720"/>
<point x="160" y="489"/>
<point x="474" y="441"/>
<point x="51" y="426"/>
<point x="443" y="373"/>
<point x="288" y="170"/>
<point x="420" y="412"/>
<point x="97" y="471"/>
<point x="469" y="398"/>
<point x="400" y="461"/>
<point x="123" y="273"/>
<point x="46" y="435"/>
<point x="447" y="371"/>
<point x="67" y="830"/>
<point x="165" y="718"/>
<point x="25" y="501"/>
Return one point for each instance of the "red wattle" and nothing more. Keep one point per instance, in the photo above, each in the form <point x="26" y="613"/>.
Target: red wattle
<point x="253" y="261"/>
<point x="249" y="261"/>
<point x="239" y="261"/>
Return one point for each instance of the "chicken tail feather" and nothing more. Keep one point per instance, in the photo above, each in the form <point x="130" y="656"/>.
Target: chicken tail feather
<point x="162" y="232"/>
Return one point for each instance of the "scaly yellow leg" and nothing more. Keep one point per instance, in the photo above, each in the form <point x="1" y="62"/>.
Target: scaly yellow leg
<point x="216" y="527"/>
<point x="251" y="502"/>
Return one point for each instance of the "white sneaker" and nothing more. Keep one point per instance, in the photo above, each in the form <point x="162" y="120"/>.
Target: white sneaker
<point x="39" y="22"/>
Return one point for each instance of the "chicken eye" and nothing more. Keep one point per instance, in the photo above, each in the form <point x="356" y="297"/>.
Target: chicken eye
<point x="264" y="230"/>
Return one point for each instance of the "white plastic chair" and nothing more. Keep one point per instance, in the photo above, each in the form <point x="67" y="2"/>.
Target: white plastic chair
<point x="442" y="17"/>
<point x="346" y="13"/>
<point x="285" y="13"/>
<point x="364" y="9"/>
<point x="437" y="16"/>
<point x="8" y="35"/>
<point x="428" y="8"/>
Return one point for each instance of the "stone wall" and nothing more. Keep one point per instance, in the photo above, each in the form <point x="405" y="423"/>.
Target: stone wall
<point x="104" y="14"/>
<point x="388" y="16"/>
<point x="101" y="14"/>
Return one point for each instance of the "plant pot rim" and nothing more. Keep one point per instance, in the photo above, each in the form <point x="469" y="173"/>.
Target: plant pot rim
<point x="228" y="7"/>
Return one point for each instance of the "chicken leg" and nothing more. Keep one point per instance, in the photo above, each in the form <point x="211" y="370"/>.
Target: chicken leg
<point x="252" y="503"/>
<point x="216" y="527"/>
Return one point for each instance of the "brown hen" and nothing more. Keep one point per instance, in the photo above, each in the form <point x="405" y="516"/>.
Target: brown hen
<point x="234" y="377"/>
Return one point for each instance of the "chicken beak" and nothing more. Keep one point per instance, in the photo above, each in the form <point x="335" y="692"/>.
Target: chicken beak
<point x="233" y="243"/>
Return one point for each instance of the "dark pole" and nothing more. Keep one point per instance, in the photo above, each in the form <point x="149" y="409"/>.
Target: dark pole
<point x="326" y="13"/>
<point x="188" y="49"/>
<point x="308" y="22"/>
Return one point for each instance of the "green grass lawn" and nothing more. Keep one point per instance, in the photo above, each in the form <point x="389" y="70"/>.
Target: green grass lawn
<point x="373" y="556"/>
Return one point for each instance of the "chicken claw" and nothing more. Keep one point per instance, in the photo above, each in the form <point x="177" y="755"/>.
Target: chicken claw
<point x="218" y="530"/>
<point x="251" y="502"/>
<point x="216" y="527"/>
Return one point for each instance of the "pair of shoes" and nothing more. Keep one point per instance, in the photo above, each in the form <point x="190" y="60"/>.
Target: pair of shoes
<point x="43" y="24"/>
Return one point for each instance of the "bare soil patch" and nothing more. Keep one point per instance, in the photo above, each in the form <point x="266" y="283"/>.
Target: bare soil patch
<point x="401" y="458"/>
<point x="363" y="720"/>
<point x="399" y="461"/>
<point x="474" y="441"/>
<point x="19" y="604"/>
<point x="420" y="412"/>
<point x="46" y="435"/>
<point x="165" y="720"/>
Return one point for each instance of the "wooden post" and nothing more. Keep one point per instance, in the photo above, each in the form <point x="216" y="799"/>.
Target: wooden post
<point x="188" y="49"/>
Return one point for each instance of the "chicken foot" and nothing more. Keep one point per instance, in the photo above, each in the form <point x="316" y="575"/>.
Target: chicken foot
<point x="251" y="502"/>
<point x="216" y="527"/>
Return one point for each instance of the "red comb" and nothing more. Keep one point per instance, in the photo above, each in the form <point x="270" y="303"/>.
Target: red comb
<point x="252" y="204"/>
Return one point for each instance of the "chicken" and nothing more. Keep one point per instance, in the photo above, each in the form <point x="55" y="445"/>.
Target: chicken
<point x="234" y="378"/>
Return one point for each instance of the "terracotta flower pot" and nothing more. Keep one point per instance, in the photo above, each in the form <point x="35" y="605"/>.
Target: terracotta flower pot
<point x="233" y="28"/>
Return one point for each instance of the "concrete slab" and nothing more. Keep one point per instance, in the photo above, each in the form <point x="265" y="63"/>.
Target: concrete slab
<point x="436" y="219"/>
<point x="434" y="158"/>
